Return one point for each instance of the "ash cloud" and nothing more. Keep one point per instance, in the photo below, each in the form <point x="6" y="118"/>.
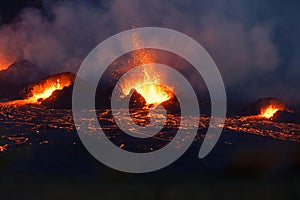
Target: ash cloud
<point x="241" y="36"/>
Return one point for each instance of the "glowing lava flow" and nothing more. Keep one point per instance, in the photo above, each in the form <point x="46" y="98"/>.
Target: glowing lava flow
<point x="44" y="93"/>
<point x="269" y="111"/>
<point x="42" y="90"/>
<point x="46" y="87"/>
<point x="149" y="85"/>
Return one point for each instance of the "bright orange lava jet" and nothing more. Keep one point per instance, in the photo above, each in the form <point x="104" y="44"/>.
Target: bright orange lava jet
<point x="269" y="111"/>
<point x="149" y="85"/>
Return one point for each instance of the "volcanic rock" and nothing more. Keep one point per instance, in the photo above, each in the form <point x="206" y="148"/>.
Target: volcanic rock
<point x="137" y="100"/>
<point x="22" y="73"/>
<point x="60" y="99"/>
<point x="16" y="77"/>
<point x="286" y="117"/>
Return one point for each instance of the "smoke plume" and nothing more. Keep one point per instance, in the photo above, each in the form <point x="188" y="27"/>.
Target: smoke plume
<point x="239" y="35"/>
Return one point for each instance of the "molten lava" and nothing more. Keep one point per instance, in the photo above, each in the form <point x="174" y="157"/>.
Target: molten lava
<point x="267" y="107"/>
<point x="154" y="94"/>
<point x="269" y="111"/>
<point x="45" y="88"/>
<point x="45" y="91"/>
<point x="149" y="84"/>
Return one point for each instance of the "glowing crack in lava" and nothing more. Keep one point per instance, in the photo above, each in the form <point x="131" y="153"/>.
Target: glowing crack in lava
<point x="269" y="111"/>
<point x="149" y="84"/>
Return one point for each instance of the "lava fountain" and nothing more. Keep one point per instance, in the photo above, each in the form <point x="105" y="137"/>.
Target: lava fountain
<point x="150" y="84"/>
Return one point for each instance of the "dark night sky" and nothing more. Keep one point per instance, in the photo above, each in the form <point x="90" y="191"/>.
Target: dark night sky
<point x="9" y="9"/>
<point x="255" y="43"/>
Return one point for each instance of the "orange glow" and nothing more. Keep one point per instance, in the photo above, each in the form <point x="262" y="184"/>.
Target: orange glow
<point x="42" y="90"/>
<point x="3" y="148"/>
<point x="149" y="84"/>
<point x="153" y="93"/>
<point x="45" y="88"/>
<point x="269" y="111"/>
<point x="45" y="91"/>
<point x="5" y="62"/>
<point x="152" y="89"/>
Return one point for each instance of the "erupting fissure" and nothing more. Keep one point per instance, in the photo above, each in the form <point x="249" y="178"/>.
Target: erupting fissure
<point x="45" y="88"/>
<point x="269" y="111"/>
<point x="149" y="85"/>
<point x="36" y="93"/>
<point x="43" y="92"/>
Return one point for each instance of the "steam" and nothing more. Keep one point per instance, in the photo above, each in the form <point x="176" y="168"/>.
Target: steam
<point x="241" y="46"/>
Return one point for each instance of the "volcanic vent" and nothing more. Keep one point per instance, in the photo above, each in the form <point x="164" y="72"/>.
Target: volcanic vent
<point x="36" y="93"/>
<point x="267" y="107"/>
<point x="272" y="109"/>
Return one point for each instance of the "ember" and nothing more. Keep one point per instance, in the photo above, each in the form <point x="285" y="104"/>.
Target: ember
<point x="3" y="148"/>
